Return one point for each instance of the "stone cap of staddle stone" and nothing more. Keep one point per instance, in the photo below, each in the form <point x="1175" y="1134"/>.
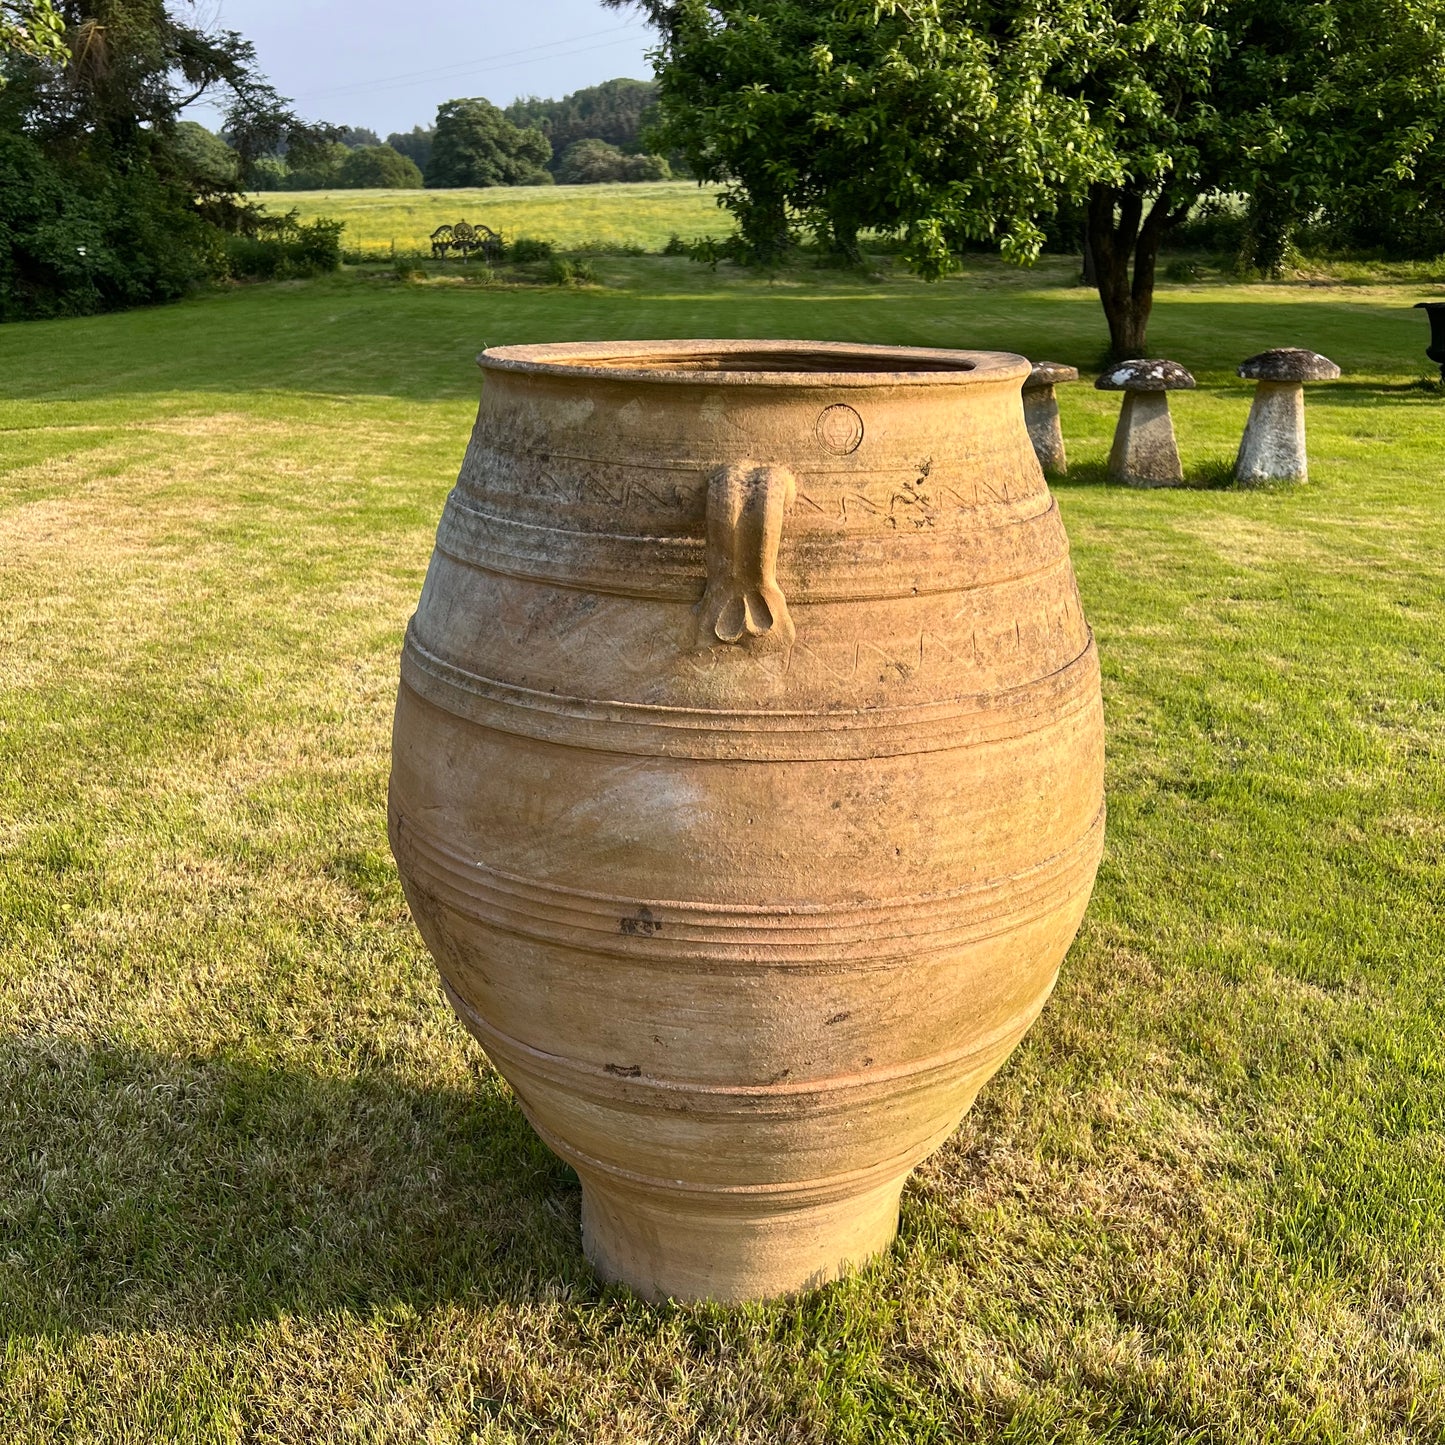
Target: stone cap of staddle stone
<point x="1288" y="363"/>
<point x="1050" y="373"/>
<point x="1141" y="375"/>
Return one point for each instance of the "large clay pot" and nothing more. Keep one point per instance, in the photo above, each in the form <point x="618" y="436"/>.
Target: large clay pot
<point x="747" y="779"/>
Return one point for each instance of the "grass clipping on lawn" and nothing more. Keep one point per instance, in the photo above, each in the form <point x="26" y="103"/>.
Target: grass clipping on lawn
<point x="257" y="1184"/>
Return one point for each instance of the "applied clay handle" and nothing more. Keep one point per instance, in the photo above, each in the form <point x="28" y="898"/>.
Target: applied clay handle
<point x="745" y="505"/>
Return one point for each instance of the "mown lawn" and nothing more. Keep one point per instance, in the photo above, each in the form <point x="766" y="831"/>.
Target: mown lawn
<point x="257" y="1185"/>
<point x="644" y="214"/>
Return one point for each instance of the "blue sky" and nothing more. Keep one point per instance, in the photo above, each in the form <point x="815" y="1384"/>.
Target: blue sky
<point x="388" y="64"/>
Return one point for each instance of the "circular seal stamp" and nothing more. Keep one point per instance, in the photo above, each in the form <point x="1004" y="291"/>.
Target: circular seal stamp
<point x="839" y="429"/>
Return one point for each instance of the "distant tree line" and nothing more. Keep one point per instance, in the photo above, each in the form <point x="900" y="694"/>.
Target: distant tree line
<point x="590" y="137"/>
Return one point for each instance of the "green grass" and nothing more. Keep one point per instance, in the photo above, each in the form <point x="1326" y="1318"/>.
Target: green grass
<point x="642" y="214"/>
<point x="257" y="1185"/>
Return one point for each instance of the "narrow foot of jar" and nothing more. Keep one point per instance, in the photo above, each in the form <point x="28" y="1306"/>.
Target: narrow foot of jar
<point x="731" y="1247"/>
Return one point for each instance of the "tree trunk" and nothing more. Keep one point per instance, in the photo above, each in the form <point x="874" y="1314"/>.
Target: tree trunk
<point x="1124" y="238"/>
<point x="763" y="225"/>
<point x="845" y="240"/>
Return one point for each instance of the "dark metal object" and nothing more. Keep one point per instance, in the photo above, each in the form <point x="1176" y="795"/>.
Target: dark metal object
<point x="464" y="238"/>
<point x="1435" y="310"/>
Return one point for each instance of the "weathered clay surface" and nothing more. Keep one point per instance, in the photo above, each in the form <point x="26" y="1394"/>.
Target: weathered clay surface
<point x="1041" y="413"/>
<point x="747" y="779"/>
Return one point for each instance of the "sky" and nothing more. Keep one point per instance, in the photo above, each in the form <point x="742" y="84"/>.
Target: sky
<point x="388" y="64"/>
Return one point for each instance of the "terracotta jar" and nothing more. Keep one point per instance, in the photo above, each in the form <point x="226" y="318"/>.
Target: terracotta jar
<point x="747" y="779"/>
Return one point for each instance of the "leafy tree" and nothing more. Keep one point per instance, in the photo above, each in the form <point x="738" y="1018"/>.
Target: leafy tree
<point x="476" y="145"/>
<point x="357" y="136"/>
<point x="32" y="28"/>
<point x="965" y="121"/>
<point x="213" y="167"/>
<point x="77" y="235"/>
<point x="318" y="170"/>
<point x="336" y="166"/>
<point x="592" y="161"/>
<point x="105" y="199"/>
<point x="848" y="115"/>
<point x="379" y="168"/>
<point x="415" y="144"/>
<point x="270" y="173"/>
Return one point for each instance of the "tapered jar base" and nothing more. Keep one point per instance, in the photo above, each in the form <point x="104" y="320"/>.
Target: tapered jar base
<point x="732" y="1248"/>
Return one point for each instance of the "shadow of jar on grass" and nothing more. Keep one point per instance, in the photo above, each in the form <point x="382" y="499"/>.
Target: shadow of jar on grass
<point x="140" y="1191"/>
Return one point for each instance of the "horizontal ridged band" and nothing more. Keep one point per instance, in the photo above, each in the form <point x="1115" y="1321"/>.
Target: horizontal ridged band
<point x="645" y="730"/>
<point x="905" y="556"/>
<point x="744" y="1198"/>
<point x="835" y="1094"/>
<point x="823" y="937"/>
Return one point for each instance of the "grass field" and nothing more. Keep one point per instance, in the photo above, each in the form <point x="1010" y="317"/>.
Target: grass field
<point x="644" y="215"/>
<point x="257" y="1185"/>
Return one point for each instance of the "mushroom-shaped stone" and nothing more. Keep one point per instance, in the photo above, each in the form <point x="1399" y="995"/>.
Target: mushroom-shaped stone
<point x="1041" y="413"/>
<point x="1273" y="448"/>
<point x="1145" y="453"/>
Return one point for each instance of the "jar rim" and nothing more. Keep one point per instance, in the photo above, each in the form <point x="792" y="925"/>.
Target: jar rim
<point x="759" y="363"/>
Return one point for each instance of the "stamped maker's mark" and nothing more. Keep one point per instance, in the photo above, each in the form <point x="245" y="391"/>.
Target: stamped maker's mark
<point x="839" y="429"/>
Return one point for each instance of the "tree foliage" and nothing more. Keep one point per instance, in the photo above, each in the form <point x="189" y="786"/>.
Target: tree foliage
<point x="210" y="165"/>
<point x="379" y="167"/>
<point x="78" y="235"/>
<point x="476" y="145"/>
<point x="32" y="28"/>
<point x="958" y="121"/>
<point x="592" y="162"/>
<point x="614" y="112"/>
<point x="415" y="144"/>
<point x="107" y="199"/>
<point x="338" y="167"/>
<point x="317" y="170"/>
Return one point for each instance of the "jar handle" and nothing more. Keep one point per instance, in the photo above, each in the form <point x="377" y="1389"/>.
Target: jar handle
<point x="745" y="505"/>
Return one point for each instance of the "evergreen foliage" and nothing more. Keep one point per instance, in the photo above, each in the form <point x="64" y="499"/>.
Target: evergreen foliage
<point x="615" y="112"/>
<point x="415" y="144"/>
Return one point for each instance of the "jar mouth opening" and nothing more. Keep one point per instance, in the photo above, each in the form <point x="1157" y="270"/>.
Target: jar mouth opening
<point x="804" y="363"/>
<point x="788" y="361"/>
